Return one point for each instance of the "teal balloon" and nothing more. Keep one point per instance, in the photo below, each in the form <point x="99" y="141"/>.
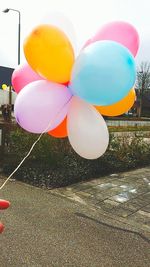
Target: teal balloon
<point x="103" y="73"/>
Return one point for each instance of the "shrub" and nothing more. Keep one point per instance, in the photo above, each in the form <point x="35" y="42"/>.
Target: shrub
<point x="54" y="163"/>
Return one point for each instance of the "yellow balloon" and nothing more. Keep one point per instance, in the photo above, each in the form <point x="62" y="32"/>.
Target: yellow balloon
<point x="120" y="107"/>
<point x="49" y="52"/>
<point x="4" y="86"/>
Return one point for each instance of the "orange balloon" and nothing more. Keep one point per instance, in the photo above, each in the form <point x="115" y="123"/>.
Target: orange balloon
<point x="61" y="130"/>
<point x="49" y="52"/>
<point x="120" y="107"/>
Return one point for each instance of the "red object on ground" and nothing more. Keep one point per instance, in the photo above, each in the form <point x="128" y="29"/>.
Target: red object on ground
<point x="4" y="204"/>
<point x="1" y="228"/>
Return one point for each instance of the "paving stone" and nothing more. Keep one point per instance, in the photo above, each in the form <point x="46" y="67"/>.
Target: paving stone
<point x="83" y="194"/>
<point x="111" y="202"/>
<point x="147" y="196"/>
<point x="126" y="195"/>
<point x="146" y="180"/>
<point x="143" y="181"/>
<point x="121" y="182"/>
<point x="121" y="212"/>
<point x="137" y="217"/>
<point x="130" y="206"/>
<point x="91" y="198"/>
<point x="113" y="191"/>
<point x="142" y="189"/>
<point x="105" y="186"/>
<point x="119" y="198"/>
<point x="107" y="205"/>
<point x="123" y="197"/>
<point x="146" y="208"/>
<point x="96" y="182"/>
<point x="144" y="213"/>
<point x="96" y="190"/>
<point x="100" y="196"/>
<point x="124" y="189"/>
<point x="144" y="199"/>
<point x="130" y="179"/>
<point x="139" y="202"/>
<point x="92" y="201"/>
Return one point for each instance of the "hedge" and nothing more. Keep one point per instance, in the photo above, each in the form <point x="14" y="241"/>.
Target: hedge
<point x="53" y="163"/>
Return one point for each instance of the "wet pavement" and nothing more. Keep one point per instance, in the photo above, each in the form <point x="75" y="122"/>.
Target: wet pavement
<point x="123" y="197"/>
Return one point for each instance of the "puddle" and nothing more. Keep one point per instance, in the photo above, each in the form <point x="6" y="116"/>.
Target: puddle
<point x="122" y="197"/>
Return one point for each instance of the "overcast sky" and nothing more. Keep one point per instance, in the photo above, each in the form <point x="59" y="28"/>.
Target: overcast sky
<point x="86" y="16"/>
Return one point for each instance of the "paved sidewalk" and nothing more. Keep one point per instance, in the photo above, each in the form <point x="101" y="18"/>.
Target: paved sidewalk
<point x="123" y="197"/>
<point x="45" y="230"/>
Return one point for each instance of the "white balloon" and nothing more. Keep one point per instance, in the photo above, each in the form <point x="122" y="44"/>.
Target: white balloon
<point x="87" y="130"/>
<point x="59" y="20"/>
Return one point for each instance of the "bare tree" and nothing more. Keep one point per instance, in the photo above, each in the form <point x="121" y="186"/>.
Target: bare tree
<point x="143" y="82"/>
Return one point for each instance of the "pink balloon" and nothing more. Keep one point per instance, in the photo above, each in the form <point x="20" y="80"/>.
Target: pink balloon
<point x="88" y="42"/>
<point x="41" y="106"/>
<point x="121" y="32"/>
<point x="23" y="75"/>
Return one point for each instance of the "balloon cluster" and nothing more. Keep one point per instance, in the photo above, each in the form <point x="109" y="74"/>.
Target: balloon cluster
<point x="65" y="96"/>
<point x="4" y="204"/>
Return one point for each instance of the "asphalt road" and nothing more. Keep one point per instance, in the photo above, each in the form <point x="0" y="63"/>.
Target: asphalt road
<point x="45" y="230"/>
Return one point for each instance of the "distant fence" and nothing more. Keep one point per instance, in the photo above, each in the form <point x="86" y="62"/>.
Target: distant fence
<point x="127" y="123"/>
<point x="5" y="96"/>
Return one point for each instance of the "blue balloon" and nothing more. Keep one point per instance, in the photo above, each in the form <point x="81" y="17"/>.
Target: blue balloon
<point x="103" y="73"/>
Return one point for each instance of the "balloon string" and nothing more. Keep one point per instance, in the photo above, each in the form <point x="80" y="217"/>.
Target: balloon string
<point x="32" y="147"/>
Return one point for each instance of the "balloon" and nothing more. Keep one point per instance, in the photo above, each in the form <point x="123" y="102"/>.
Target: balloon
<point x="4" y="204"/>
<point x="4" y="86"/>
<point x="23" y="75"/>
<point x="62" y="22"/>
<point x="1" y="227"/>
<point x="121" y="32"/>
<point x="66" y="84"/>
<point x="103" y="73"/>
<point x="87" y="130"/>
<point x="41" y="106"/>
<point x="88" y="42"/>
<point x="120" y="107"/>
<point x="49" y="52"/>
<point x="61" y="130"/>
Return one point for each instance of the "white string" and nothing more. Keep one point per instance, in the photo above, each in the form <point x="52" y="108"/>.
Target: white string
<point x="28" y="154"/>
